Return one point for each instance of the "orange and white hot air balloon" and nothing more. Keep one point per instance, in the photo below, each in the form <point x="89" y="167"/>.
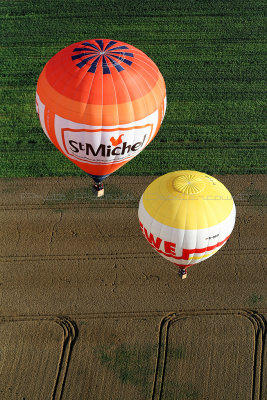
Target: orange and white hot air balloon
<point x="186" y="216"/>
<point x="100" y="102"/>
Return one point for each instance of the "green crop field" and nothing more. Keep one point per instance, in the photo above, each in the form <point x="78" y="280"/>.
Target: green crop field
<point x="210" y="53"/>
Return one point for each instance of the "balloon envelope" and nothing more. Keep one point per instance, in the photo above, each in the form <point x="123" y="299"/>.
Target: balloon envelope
<point x="186" y="216"/>
<point x="100" y="102"/>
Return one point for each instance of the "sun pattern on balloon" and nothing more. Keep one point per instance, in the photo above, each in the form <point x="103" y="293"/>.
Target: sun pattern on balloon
<point x="108" y="55"/>
<point x="188" y="184"/>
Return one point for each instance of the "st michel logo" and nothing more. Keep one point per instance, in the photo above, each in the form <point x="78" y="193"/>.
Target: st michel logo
<point x="116" y="142"/>
<point x="107" y="145"/>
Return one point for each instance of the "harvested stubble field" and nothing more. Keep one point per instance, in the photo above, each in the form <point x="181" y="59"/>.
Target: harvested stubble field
<point x="88" y="309"/>
<point x="91" y="311"/>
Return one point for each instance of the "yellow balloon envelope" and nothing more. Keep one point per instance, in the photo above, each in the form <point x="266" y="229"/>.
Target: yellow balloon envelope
<point x="186" y="216"/>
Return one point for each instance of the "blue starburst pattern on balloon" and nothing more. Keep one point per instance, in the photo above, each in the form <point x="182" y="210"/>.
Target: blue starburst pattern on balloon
<point x="109" y="55"/>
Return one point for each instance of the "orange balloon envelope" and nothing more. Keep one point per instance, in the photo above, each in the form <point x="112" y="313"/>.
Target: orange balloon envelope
<point x="100" y="102"/>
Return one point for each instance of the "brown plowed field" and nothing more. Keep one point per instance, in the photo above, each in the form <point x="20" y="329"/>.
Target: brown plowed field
<point x="90" y="311"/>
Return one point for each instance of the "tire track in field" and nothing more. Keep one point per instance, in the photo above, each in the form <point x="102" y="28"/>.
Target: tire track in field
<point x="259" y="327"/>
<point x="98" y="205"/>
<point x="112" y="256"/>
<point x="70" y="335"/>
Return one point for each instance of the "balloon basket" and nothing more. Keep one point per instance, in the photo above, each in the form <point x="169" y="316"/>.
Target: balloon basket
<point x="182" y="273"/>
<point x="98" y="189"/>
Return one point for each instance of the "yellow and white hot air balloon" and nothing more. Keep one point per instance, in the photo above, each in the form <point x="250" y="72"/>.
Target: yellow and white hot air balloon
<point x="186" y="216"/>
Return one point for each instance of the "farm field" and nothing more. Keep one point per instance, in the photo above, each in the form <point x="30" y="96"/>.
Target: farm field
<point x="89" y="310"/>
<point x="210" y="53"/>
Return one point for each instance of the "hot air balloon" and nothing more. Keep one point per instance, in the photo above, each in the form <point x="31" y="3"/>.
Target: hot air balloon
<point x="186" y="216"/>
<point x="100" y="102"/>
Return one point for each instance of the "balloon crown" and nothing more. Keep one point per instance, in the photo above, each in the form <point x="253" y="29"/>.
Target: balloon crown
<point x="109" y="54"/>
<point x="188" y="184"/>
